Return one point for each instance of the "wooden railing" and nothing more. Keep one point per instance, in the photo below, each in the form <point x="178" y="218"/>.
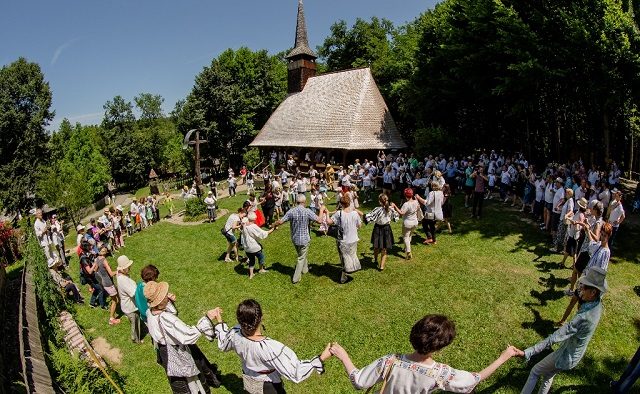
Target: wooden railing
<point x="34" y="367"/>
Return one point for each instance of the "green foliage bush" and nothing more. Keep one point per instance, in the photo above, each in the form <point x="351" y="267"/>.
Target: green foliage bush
<point x="68" y="371"/>
<point x="195" y="207"/>
<point x="77" y="376"/>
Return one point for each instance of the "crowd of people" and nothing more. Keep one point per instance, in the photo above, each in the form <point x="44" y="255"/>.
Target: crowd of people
<point x="580" y="209"/>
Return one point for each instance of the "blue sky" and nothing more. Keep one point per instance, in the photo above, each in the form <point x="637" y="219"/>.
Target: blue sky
<point x="91" y="51"/>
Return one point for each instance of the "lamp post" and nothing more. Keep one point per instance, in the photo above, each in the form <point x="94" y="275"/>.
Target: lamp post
<point x="196" y="143"/>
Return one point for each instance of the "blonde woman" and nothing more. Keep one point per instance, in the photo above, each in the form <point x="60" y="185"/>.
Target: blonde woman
<point x="433" y="211"/>
<point x="409" y="212"/>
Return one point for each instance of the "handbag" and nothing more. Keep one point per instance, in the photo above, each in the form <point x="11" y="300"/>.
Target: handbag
<point x="420" y="213"/>
<point x="335" y="230"/>
<point x="180" y="362"/>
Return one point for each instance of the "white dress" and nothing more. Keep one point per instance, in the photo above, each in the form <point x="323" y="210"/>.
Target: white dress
<point x="408" y="377"/>
<point x="266" y="360"/>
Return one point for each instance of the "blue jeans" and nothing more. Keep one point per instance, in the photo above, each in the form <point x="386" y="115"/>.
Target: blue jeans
<point x="252" y="258"/>
<point x="97" y="297"/>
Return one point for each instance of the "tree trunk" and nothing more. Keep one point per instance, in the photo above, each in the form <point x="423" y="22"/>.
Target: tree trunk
<point x="631" y="156"/>
<point x="606" y="135"/>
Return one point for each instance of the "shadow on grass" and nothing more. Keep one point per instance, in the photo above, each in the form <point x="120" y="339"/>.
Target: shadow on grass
<point x="231" y="382"/>
<point x="595" y="375"/>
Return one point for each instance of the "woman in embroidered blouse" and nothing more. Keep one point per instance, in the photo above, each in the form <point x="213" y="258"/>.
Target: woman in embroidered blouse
<point x="409" y="213"/>
<point x="348" y="218"/>
<point x="188" y="375"/>
<point x="418" y="372"/>
<point x="264" y="360"/>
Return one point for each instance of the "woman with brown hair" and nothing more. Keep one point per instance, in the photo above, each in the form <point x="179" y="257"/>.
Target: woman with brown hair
<point x="382" y="236"/>
<point x="264" y="360"/>
<point x="418" y="372"/>
<point x="349" y="221"/>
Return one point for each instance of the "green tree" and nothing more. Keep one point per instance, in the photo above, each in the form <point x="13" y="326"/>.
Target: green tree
<point x="232" y="99"/>
<point x="150" y="106"/>
<point x="121" y="144"/>
<point x="75" y="180"/>
<point x="25" y="101"/>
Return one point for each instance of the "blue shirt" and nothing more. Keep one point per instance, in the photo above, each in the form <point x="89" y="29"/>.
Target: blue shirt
<point x="299" y="218"/>
<point x="573" y="336"/>
<point x="141" y="301"/>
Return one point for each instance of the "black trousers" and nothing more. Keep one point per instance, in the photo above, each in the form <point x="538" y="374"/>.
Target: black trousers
<point x="429" y="227"/>
<point x="478" y="198"/>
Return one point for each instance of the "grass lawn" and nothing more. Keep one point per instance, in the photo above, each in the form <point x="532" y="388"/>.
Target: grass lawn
<point x="494" y="277"/>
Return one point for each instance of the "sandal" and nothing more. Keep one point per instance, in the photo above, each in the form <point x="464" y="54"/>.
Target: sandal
<point x="113" y="321"/>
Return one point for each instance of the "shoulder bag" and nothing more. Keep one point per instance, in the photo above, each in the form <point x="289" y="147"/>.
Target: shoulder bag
<point x="180" y="362"/>
<point x="391" y="362"/>
<point x="335" y="230"/>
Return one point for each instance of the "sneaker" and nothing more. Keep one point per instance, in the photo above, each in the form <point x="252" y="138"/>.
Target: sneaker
<point x="227" y="260"/>
<point x="93" y="305"/>
<point x="263" y="271"/>
<point x="568" y="292"/>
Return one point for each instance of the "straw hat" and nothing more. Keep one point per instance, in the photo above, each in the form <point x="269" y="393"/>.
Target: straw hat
<point x="155" y="292"/>
<point x="124" y="262"/>
<point x="595" y="277"/>
<point x="582" y="203"/>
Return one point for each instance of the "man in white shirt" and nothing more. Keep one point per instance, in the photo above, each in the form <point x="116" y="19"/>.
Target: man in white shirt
<point x="210" y="201"/>
<point x="605" y="196"/>
<point x="616" y="214"/>
<point x="43" y="236"/>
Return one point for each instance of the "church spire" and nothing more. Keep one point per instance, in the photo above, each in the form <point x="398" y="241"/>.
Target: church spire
<point x="302" y="42"/>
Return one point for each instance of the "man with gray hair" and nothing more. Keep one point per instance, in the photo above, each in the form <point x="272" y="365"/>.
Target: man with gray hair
<point x="300" y="216"/>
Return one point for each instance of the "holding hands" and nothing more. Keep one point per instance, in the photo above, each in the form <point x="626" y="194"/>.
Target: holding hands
<point x="215" y="314"/>
<point x="511" y="351"/>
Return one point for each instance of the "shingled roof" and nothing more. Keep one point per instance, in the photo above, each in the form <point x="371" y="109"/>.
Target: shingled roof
<point x="301" y="45"/>
<point x="341" y="110"/>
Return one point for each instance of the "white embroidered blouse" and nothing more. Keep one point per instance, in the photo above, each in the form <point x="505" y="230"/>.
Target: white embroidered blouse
<point x="266" y="360"/>
<point x="408" y="377"/>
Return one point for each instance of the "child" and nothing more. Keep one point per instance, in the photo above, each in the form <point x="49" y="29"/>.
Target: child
<point x="322" y="187"/>
<point x="168" y="201"/>
<point x="353" y="193"/>
<point x="129" y="222"/>
<point x="232" y="185"/>
<point x="251" y="236"/>
<point x="250" y="185"/>
<point x="278" y="197"/>
<point x="319" y="201"/>
<point x="285" y="199"/>
<point x="312" y="203"/>
<point x="492" y="184"/>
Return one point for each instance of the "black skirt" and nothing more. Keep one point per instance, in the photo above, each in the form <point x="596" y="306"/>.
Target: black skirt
<point x="382" y="236"/>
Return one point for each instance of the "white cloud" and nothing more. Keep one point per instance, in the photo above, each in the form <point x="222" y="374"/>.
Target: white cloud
<point x="61" y="48"/>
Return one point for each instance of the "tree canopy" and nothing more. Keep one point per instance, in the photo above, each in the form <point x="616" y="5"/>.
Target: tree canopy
<point x="232" y="99"/>
<point x="25" y="102"/>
